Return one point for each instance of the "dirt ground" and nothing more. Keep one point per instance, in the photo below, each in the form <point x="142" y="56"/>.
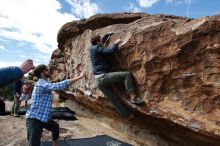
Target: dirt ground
<point x="13" y="130"/>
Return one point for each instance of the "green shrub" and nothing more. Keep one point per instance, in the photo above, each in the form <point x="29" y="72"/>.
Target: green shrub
<point x="7" y="92"/>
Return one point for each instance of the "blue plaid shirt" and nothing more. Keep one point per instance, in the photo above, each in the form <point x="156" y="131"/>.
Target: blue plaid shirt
<point x="42" y="99"/>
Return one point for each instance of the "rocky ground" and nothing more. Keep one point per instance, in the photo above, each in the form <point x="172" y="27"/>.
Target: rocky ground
<point x="13" y="130"/>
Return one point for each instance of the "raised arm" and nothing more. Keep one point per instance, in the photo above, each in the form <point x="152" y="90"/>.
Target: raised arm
<point x="9" y="75"/>
<point x="63" y="84"/>
<point x="111" y="50"/>
<point x="73" y="80"/>
<point x="13" y="73"/>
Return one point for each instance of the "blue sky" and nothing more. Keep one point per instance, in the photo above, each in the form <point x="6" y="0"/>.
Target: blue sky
<point x="28" y="28"/>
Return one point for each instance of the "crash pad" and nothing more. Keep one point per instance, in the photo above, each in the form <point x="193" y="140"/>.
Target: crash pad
<point x="101" y="140"/>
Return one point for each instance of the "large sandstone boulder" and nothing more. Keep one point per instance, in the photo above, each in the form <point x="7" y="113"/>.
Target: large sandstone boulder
<point x="175" y="62"/>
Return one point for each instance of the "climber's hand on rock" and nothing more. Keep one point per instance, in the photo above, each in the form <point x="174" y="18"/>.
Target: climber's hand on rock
<point x="110" y="33"/>
<point x="118" y="41"/>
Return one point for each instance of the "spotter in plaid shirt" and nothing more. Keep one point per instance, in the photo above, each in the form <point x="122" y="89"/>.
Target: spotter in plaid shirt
<point x="38" y="116"/>
<point x="42" y="99"/>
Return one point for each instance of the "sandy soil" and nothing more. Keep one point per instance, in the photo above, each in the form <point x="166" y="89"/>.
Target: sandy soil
<point x="13" y="130"/>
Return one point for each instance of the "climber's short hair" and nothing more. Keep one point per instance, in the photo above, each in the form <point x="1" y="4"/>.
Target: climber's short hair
<point x="95" y="39"/>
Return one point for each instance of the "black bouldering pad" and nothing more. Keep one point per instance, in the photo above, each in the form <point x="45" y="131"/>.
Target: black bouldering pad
<point x="62" y="109"/>
<point x="5" y="113"/>
<point x="62" y="113"/>
<point x="102" y="140"/>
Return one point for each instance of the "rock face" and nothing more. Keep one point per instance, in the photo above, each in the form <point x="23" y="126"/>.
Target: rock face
<point x="175" y="62"/>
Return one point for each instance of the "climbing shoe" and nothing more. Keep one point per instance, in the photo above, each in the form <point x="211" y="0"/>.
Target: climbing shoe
<point x="137" y="101"/>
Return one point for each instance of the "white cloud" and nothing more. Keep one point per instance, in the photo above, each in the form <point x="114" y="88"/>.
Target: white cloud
<point x="150" y="3"/>
<point x="23" y="56"/>
<point x="83" y="8"/>
<point x="6" y="64"/>
<point x="146" y="3"/>
<point x="177" y="1"/>
<point x="41" y="58"/>
<point x="32" y="21"/>
<point x="133" y="8"/>
<point x="2" y="47"/>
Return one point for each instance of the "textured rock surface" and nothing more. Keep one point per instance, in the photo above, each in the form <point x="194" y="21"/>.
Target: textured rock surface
<point x="175" y="62"/>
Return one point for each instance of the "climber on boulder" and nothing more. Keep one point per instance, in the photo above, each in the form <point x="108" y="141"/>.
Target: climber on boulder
<point x="105" y="79"/>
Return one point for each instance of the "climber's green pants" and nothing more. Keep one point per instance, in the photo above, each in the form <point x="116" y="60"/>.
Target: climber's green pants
<point x="105" y="83"/>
